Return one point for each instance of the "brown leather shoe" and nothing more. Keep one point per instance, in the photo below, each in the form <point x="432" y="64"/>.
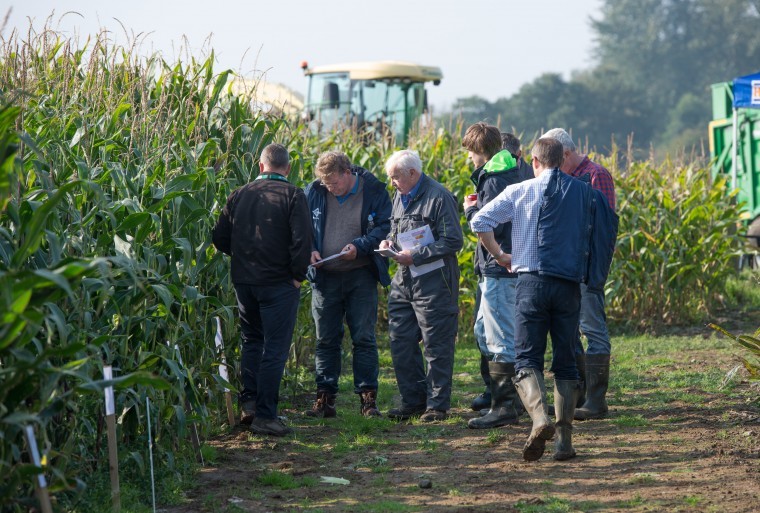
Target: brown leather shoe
<point x="324" y="406"/>
<point x="432" y="415"/>
<point x="369" y="403"/>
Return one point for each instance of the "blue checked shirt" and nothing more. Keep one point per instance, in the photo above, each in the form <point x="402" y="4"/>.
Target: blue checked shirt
<point x="521" y="204"/>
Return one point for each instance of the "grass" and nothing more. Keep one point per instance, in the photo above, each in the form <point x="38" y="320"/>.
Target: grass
<point x="494" y="437"/>
<point x="386" y="507"/>
<point x="630" y="421"/>
<point x="546" y="505"/>
<point x="643" y="478"/>
<point x="284" y="481"/>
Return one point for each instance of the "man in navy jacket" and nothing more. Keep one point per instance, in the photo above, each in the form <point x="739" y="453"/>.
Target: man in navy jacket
<point x="350" y="211"/>
<point x="551" y="232"/>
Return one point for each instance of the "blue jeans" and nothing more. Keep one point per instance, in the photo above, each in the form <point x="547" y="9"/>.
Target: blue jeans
<point x="495" y="322"/>
<point x="267" y="319"/>
<point x="593" y="323"/>
<point x="352" y="295"/>
<point x="547" y="305"/>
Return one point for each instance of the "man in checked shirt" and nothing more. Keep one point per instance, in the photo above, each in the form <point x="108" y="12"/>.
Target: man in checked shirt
<point x="593" y="320"/>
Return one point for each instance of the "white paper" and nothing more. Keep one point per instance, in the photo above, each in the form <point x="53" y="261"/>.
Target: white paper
<point x="110" y="403"/>
<point x="331" y="257"/>
<point x="32" y="442"/>
<point x="413" y="240"/>
<point x="334" y="480"/>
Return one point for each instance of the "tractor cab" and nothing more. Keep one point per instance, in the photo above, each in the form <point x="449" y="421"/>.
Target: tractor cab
<point x="384" y="97"/>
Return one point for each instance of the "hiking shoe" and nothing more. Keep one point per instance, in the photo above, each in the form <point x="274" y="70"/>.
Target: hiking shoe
<point x="273" y="427"/>
<point x="405" y="412"/>
<point x="324" y="405"/>
<point x="432" y="415"/>
<point x="369" y="403"/>
<point x="247" y="412"/>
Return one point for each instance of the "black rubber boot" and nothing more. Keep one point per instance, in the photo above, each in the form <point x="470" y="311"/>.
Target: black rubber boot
<point x="597" y="381"/>
<point x="565" y="398"/>
<point x="530" y="387"/>
<point x="484" y="399"/>
<point x="580" y="362"/>
<point x="504" y="397"/>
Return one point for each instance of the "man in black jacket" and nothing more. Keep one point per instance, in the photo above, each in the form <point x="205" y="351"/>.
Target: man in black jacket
<point x="265" y="228"/>
<point x="350" y="211"/>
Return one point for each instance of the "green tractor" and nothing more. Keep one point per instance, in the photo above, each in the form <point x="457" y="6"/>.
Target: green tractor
<point x="383" y="98"/>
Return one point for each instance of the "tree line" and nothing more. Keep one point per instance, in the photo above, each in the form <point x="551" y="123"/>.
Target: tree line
<point x="654" y="63"/>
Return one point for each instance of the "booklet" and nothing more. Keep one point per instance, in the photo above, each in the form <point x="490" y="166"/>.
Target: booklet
<point x="387" y="252"/>
<point x="415" y="239"/>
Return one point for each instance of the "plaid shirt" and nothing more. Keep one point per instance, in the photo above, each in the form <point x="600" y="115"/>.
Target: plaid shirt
<point x="521" y="204"/>
<point x="601" y="179"/>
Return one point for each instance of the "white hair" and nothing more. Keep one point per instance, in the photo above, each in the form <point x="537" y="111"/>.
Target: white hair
<point x="403" y="161"/>
<point x="559" y="134"/>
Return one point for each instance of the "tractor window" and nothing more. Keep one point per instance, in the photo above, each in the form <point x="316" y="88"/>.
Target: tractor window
<point x="329" y="100"/>
<point x="385" y="104"/>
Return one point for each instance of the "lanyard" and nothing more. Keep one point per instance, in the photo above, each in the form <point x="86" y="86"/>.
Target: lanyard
<point x="273" y="176"/>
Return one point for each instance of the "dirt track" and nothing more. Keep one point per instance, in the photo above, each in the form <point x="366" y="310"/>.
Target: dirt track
<point x="701" y="454"/>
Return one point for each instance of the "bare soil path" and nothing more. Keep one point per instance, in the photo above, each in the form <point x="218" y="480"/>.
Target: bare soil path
<point x="668" y="445"/>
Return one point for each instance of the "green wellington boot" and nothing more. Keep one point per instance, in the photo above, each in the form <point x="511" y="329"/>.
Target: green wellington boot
<point x="565" y="397"/>
<point x="530" y="387"/>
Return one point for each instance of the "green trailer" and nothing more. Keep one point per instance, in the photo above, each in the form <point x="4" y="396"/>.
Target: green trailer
<point x="736" y="117"/>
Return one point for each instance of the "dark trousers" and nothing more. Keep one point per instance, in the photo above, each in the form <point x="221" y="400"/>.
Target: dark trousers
<point x="546" y="305"/>
<point x="353" y="295"/>
<point x="424" y="309"/>
<point x="267" y="319"/>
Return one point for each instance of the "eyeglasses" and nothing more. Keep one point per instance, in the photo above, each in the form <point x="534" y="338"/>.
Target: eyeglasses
<point x="331" y="183"/>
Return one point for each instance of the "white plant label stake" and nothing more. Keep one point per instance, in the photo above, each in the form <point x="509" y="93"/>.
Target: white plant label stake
<point x="40" y="486"/>
<point x="223" y="372"/>
<point x="150" y="452"/>
<point x="113" y="455"/>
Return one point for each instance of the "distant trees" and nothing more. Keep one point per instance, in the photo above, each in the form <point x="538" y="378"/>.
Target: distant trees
<point x="655" y="61"/>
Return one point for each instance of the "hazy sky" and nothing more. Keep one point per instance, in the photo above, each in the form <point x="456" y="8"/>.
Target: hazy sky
<point x="488" y="48"/>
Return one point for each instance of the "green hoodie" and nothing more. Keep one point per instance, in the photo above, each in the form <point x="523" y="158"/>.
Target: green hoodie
<point x="500" y="162"/>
